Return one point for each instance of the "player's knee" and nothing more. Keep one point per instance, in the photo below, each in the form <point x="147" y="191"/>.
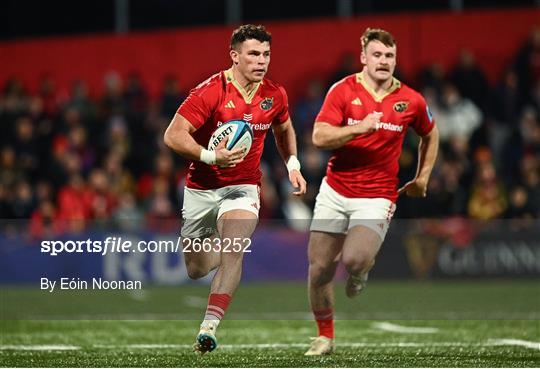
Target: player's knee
<point x="195" y="271"/>
<point x="320" y="274"/>
<point x="356" y="264"/>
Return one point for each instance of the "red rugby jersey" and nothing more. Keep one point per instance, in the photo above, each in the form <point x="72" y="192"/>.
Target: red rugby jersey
<point x="220" y="99"/>
<point x="367" y="166"/>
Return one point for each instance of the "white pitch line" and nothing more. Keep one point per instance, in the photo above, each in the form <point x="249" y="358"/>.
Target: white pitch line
<point x="290" y="345"/>
<point x="150" y="346"/>
<point x="490" y="343"/>
<point x="303" y="345"/>
<point x="390" y="327"/>
<point x="39" y="347"/>
<point x="514" y="342"/>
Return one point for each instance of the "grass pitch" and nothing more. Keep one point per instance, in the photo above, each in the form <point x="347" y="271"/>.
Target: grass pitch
<point x="393" y="324"/>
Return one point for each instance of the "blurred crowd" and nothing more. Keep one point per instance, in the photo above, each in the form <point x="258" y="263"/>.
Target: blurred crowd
<point x="70" y="156"/>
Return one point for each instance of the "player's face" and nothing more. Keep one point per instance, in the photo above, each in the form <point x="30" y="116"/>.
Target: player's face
<point x="252" y="59"/>
<point x="380" y="60"/>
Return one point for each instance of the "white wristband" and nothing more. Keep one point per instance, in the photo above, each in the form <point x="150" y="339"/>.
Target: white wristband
<point x="293" y="163"/>
<point x="208" y="157"/>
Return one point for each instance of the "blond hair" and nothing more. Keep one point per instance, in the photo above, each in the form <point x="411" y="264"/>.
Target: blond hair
<point x="377" y="34"/>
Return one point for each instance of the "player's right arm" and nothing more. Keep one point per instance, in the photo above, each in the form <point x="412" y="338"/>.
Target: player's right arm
<point x="178" y="137"/>
<point x="328" y="136"/>
<point x="329" y="132"/>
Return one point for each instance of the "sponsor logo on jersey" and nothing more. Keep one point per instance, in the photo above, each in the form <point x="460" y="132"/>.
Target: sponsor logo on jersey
<point x="267" y="103"/>
<point x="401" y="106"/>
<point x="357" y="101"/>
<point x="381" y="125"/>
<point x="248" y="117"/>
<point x="260" y="126"/>
<point x="352" y="122"/>
<point x="254" y="126"/>
<point x="389" y="127"/>
<point x="230" y="105"/>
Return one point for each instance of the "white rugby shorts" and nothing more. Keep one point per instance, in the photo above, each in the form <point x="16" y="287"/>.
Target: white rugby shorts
<point x="335" y="213"/>
<point x="202" y="208"/>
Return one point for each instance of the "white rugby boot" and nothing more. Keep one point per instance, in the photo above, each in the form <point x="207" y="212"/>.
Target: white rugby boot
<point x="206" y="339"/>
<point x="321" y="345"/>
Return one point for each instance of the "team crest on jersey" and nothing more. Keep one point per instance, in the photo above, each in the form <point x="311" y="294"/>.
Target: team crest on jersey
<point x="267" y="103"/>
<point x="401" y="106"/>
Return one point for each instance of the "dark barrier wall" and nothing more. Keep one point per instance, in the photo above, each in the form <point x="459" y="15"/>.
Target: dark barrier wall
<point x="300" y="49"/>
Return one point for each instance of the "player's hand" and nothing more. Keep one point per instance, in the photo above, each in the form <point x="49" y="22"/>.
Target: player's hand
<point x="228" y="158"/>
<point x="415" y="188"/>
<point x="369" y="124"/>
<point x="298" y="182"/>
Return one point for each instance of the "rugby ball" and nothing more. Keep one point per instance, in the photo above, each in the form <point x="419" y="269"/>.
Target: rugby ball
<point x="239" y="132"/>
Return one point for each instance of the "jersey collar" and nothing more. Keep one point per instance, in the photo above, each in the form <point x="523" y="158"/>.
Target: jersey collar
<point x="248" y="96"/>
<point x="378" y="97"/>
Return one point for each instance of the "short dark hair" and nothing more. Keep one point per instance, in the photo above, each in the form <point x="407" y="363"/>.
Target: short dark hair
<point x="249" y="32"/>
<point x="377" y="34"/>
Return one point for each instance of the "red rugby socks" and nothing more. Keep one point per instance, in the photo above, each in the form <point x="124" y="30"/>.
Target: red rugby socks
<point x="217" y="306"/>
<point x="325" y="322"/>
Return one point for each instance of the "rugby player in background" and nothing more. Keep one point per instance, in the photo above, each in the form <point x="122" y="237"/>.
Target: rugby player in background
<point x="363" y="119"/>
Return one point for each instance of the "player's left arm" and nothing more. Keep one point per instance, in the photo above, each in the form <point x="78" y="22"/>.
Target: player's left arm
<point x="286" y="144"/>
<point x="427" y="154"/>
